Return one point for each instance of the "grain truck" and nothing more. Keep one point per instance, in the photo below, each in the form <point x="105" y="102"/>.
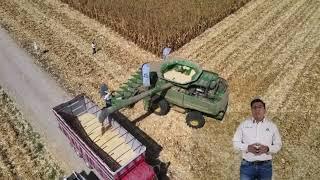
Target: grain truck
<point x="115" y="155"/>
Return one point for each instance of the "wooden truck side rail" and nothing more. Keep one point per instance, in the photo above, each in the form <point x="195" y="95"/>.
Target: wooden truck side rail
<point x="93" y="155"/>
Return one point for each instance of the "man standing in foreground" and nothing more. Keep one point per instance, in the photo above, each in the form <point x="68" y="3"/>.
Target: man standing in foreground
<point x="257" y="138"/>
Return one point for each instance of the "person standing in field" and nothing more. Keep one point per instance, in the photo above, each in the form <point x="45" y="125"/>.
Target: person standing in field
<point x="93" y="45"/>
<point x="258" y="139"/>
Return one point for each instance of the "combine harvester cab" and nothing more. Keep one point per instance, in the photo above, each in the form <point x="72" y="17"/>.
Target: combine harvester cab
<point x="114" y="155"/>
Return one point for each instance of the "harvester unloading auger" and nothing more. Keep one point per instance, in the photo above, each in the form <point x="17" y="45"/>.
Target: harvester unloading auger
<point x="174" y="82"/>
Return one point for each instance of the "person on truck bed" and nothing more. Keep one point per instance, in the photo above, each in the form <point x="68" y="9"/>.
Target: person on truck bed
<point x="106" y="95"/>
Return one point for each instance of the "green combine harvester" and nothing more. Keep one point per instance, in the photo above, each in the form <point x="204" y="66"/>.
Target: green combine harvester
<point x="174" y="83"/>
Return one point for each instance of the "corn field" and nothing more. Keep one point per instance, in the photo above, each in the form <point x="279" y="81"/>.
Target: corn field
<point x="153" y="24"/>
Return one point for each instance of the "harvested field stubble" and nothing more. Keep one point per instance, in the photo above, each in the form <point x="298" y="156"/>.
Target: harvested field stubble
<point x="275" y="54"/>
<point x="22" y="154"/>
<point x="67" y="39"/>
<point x="268" y="48"/>
<point x="158" y="23"/>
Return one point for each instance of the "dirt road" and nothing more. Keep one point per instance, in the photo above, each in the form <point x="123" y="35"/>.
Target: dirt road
<point x="35" y="93"/>
<point x="268" y="48"/>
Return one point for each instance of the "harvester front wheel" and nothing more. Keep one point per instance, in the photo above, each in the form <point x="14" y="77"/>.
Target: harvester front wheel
<point x="195" y="119"/>
<point x="161" y="107"/>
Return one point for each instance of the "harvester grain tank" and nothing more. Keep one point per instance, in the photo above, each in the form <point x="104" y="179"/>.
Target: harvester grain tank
<point x="175" y="82"/>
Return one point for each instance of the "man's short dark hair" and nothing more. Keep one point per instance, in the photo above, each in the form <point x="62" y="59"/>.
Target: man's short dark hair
<point x="257" y="100"/>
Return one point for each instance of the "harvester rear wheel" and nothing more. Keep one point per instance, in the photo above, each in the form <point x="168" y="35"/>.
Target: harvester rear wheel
<point x="195" y="119"/>
<point x="160" y="107"/>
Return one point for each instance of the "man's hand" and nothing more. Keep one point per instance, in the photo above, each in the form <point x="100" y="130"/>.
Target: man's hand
<point x="263" y="149"/>
<point x="253" y="149"/>
<point x="258" y="149"/>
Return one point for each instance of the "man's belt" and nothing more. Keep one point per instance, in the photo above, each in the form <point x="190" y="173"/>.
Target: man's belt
<point x="257" y="162"/>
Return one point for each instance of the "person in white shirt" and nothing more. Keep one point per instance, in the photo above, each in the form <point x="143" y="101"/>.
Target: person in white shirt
<point x="93" y="45"/>
<point x="257" y="138"/>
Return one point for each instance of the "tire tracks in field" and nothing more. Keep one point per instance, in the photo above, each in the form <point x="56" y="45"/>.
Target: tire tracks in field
<point x="305" y="98"/>
<point x="245" y="38"/>
<point x="45" y="27"/>
<point x="262" y="68"/>
<point x="220" y="44"/>
<point x="112" y="42"/>
<point x="265" y="36"/>
<point x="61" y="28"/>
<point x="219" y="28"/>
<point x="245" y="47"/>
<point x="247" y="41"/>
<point x="301" y="55"/>
<point x="258" y="53"/>
<point x="69" y="21"/>
<point x="246" y="57"/>
<point x="276" y="42"/>
<point x="267" y="59"/>
<point x="44" y="36"/>
<point x="9" y="150"/>
<point x="308" y="86"/>
<point x="78" y="67"/>
<point x="60" y="32"/>
<point x="299" y="120"/>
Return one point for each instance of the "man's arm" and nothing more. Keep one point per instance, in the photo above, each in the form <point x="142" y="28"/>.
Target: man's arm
<point x="276" y="141"/>
<point x="107" y="96"/>
<point x="237" y="140"/>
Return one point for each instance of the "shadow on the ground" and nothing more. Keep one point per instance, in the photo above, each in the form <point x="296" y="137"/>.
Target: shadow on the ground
<point x="153" y="148"/>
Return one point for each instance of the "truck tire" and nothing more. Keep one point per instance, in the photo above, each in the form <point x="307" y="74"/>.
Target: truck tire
<point x="195" y="119"/>
<point x="160" y="107"/>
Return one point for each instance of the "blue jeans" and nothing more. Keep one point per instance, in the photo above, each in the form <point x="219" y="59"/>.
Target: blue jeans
<point x="256" y="170"/>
